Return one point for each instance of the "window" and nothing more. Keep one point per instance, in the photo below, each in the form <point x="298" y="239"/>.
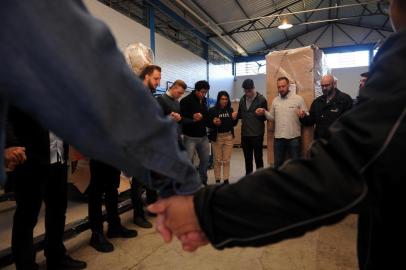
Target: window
<point x="251" y="68"/>
<point x="348" y="59"/>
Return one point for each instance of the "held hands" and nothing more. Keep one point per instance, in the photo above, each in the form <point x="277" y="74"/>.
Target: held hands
<point x="14" y="156"/>
<point x="260" y="111"/>
<point x="197" y="117"/>
<point x="216" y="121"/>
<point x="234" y="115"/>
<point x="176" y="116"/>
<point x="300" y="113"/>
<point x="176" y="216"/>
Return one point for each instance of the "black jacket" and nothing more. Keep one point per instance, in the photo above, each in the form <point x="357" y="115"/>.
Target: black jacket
<point x="227" y="122"/>
<point x="252" y="125"/>
<point x="190" y="105"/>
<point x="362" y="161"/>
<point x="323" y="114"/>
<point x="23" y="130"/>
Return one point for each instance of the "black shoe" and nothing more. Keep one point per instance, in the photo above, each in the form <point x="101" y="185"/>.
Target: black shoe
<point x="142" y="222"/>
<point x="226" y="181"/>
<point x="66" y="263"/>
<point x="121" y="232"/>
<point x="100" y="243"/>
<point x="217" y="181"/>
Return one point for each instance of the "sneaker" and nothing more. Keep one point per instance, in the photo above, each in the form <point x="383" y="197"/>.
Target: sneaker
<point x="217" y="181"/>
<point x="66" y="263"/>
<point x="226" y="181"/>
<point x="100" y="243"/>
<point x="142" y="222"/>
<point x="121" y="232"/>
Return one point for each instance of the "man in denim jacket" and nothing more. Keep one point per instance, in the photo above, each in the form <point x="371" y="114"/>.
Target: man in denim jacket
<point x="62" y="66"/>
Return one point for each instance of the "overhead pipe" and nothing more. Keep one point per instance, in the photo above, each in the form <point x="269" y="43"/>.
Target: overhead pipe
<point x="229" y="42"/>
<point x="301" y="12"/>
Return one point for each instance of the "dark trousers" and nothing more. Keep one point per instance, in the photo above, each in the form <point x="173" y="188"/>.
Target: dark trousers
<point x="282" y="147"/>
<point x="252" y="145"/>
<point x="136" y="191"/>
<point x="34" y="183"/>
<point x="104" y="179"/>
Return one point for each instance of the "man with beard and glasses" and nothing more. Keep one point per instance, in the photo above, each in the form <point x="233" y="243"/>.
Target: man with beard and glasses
<point x="327" y="108"/>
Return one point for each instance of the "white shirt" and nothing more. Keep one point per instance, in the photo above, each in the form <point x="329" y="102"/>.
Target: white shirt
<point x="284" y="115"/>
<point x="55" y="149"/>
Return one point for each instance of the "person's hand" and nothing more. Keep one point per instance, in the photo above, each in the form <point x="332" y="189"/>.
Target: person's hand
<point x="13" y="156"/>
<point x="193" y="240"/>
<point x="197" y="117"/>
<point x="234" y="115"/>
<point x="176" y="216"/>
<point x="300" y="113"/>
<point x="260" y="111"/>
<point x="176" y="116"/>
<point x="216" y="121"/>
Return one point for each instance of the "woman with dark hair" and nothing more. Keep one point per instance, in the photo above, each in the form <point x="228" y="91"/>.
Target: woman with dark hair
<point x="222" y="120"/>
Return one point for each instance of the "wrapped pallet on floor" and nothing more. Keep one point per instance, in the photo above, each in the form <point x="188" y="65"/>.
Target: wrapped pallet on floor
<point x="304" y="67"/>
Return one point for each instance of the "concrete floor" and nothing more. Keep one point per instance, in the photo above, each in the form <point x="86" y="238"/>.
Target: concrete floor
<point x="329" y="248"/>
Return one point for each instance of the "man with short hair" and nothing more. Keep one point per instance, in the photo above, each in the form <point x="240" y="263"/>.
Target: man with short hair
<point x="251" y="113"/>
<point x="327" y="108"/>
<point x="362" y="81"/>
<point x="194" y="112"/>
<point x="170" y="101"/>
<point x="287" y="126"/>
<point x="151" y="78"/>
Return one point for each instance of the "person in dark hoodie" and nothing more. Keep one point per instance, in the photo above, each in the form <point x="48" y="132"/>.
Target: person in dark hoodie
<point x="222" y="120"/>
<point x="360" y="162"/>
<point x="193" y="110"/>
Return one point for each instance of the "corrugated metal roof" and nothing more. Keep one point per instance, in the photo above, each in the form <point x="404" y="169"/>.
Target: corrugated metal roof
<point x="259" y="34"/>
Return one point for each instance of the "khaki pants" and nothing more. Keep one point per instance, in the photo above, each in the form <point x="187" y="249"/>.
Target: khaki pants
<point x="222" y="154"/>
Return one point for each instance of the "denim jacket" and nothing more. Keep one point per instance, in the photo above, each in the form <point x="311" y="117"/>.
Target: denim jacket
<point x="62" y="66"/>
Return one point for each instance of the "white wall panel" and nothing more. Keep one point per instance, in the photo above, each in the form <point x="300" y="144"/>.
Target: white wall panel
<point x="348" y="79"/>
<point x="221" y="79"/>
<point x="125" y="30"/>
<point x="176" y="62"/>
<point x="259" y="82"/>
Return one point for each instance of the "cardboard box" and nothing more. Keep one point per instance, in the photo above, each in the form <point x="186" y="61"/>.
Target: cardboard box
<point x="304" y="67"/>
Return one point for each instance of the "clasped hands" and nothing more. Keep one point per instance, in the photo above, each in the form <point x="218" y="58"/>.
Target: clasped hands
<point x="177" y="217"/>
<point x="14" y="156"/>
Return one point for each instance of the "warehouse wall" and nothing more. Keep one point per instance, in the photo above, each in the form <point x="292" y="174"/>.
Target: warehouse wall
<point x="348" y="79"/>
<point x="221" y="79"/>
<point x="259" y="82"/>
<point x="176" y="62"/>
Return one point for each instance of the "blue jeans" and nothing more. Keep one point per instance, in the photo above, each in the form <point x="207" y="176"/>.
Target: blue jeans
<point x="283" y="146"/>
<point x="202" y="147"/>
